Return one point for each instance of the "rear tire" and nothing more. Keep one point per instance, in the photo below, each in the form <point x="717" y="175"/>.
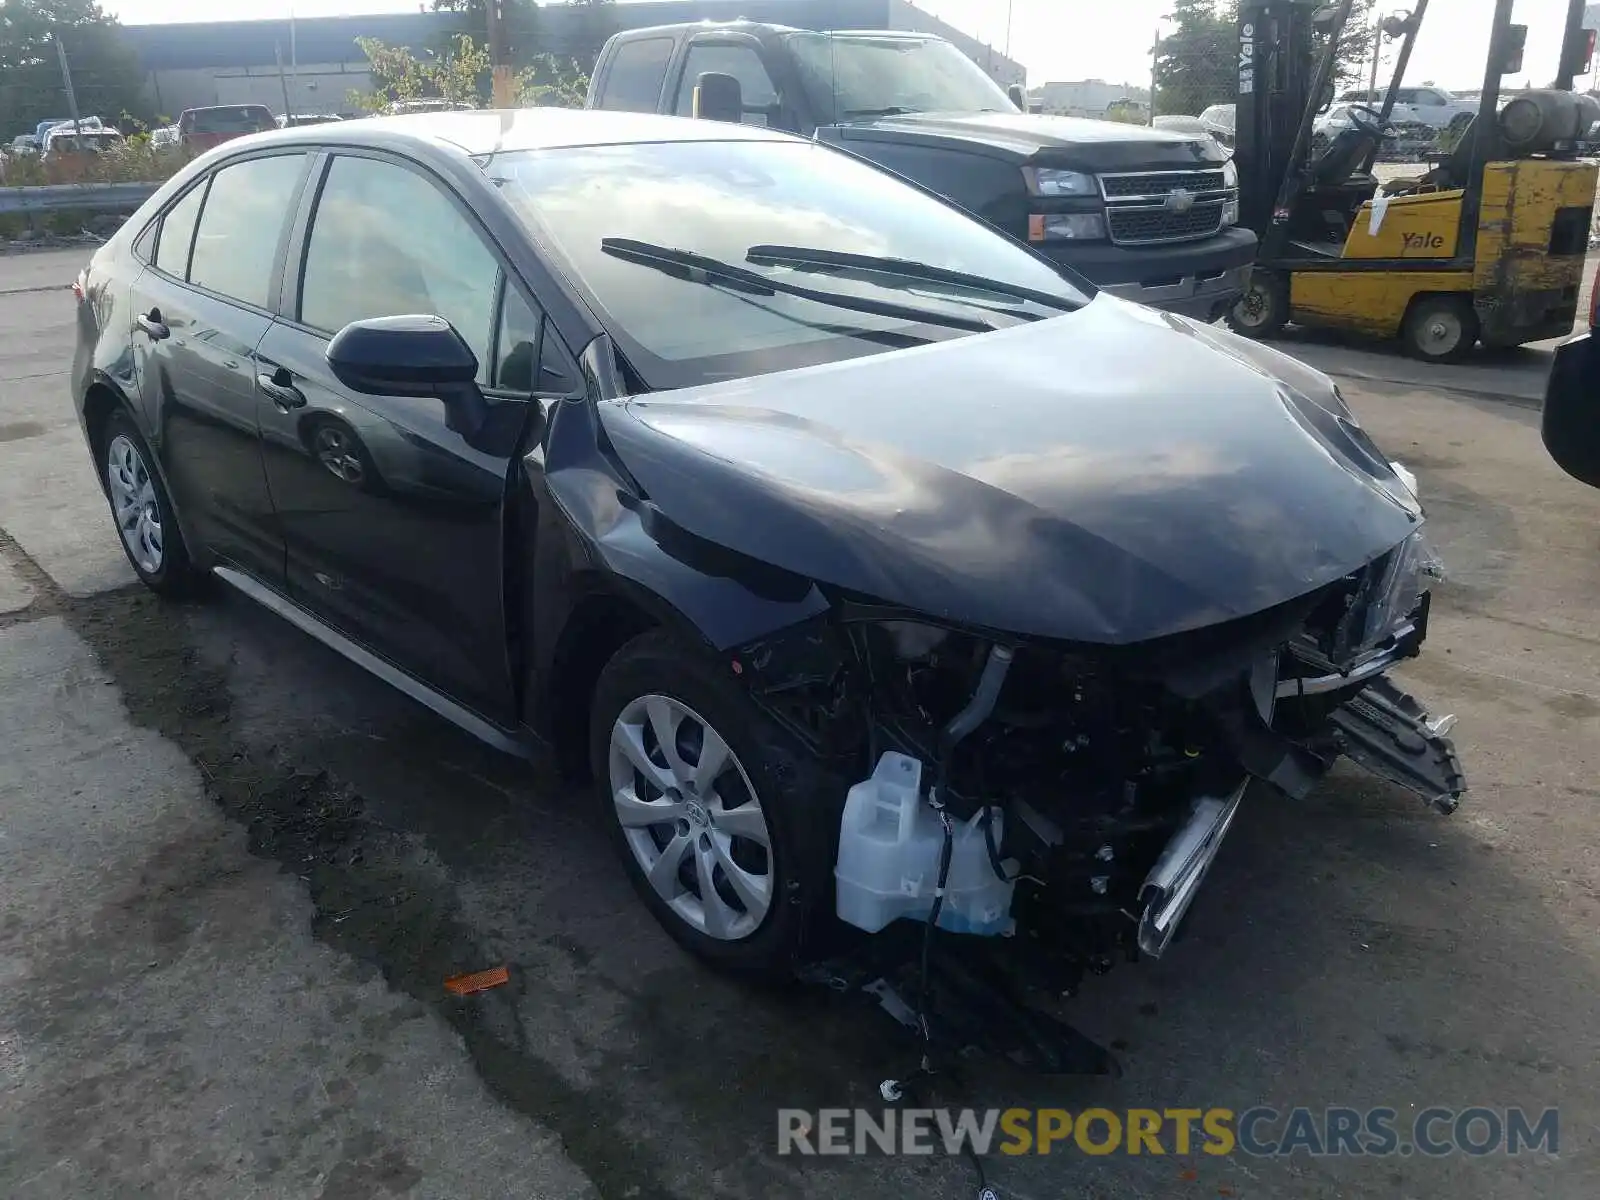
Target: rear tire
<point x="142" y="511"/>
<point x="1263" y="310"/>
<point x="1440" y="328"/>
<point x="683" y="824"/>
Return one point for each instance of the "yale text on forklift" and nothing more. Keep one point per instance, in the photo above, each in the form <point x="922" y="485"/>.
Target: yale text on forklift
<point x="1260" y="1132"/>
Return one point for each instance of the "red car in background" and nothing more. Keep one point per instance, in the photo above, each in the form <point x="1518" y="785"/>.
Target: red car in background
<point x="202" y="128"/>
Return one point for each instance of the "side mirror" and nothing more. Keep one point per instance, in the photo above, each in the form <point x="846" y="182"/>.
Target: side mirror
<point x="401" y="356"/>
<point x="1019" y="96"/>
<point x="718" y="97"/>
<point x="1570" y="425"/>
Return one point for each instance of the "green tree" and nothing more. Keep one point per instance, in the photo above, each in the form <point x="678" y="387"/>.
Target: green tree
<point x="552" y="82"/>
<point x="521" y="19"/>
<point x="105" y="71"/>
<point x="592" y="22"/>
<point x="457" y="74"/>
<point x="1196" y="63"/>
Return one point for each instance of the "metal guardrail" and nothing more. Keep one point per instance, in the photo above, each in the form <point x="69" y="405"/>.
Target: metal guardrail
<point x="64" y="197"/>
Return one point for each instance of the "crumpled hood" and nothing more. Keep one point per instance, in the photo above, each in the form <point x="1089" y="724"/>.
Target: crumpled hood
<point x="1107" y="476"/>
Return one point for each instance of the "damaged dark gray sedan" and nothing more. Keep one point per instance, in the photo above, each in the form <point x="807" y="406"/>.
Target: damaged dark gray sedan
<point x="878" y="571"/>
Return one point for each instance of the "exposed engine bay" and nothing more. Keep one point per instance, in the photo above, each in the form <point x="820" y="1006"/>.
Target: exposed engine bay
<point x="1072" y="798"/>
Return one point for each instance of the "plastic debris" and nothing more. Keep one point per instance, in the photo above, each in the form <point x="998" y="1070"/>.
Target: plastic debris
<point x="477" y="981"/>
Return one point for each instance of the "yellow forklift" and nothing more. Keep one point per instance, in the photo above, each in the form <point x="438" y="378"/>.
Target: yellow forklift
<point x="1488" y="245"/>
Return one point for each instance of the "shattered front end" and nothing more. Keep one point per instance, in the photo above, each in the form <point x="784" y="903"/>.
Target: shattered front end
<point x="1072" y="798"/>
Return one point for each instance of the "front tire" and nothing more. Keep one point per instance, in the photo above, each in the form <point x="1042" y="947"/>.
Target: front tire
<point x="715" y="812"/>
<point x="143" y="513"/>
<point x="1263" y="310"/>
<point x="1441" y="328"/>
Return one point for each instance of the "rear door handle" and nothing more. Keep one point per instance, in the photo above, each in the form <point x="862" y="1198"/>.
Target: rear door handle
<point x="278" y="386"/>
<point x="153" y="325"/>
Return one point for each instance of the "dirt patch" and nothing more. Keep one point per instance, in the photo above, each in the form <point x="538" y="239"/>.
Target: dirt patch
<point x="371" y="898"/>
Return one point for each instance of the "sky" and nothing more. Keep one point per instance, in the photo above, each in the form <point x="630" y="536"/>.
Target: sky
<point x="1054" y="39"/>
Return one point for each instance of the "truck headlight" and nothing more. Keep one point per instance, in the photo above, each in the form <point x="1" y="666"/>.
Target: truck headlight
<point x="1230" y="175"/>
<point x="1047" y="181"/>
<point x="1230" y="206"/>
<point x="1058" y="227"/>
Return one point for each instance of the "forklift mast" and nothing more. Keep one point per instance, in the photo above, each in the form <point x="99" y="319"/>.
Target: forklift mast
<point x="1277" y="63"/>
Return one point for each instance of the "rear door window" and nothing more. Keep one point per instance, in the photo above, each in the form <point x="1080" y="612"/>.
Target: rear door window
<point x="177" y="234"/>
<point x="236" y="244"/>
<point x="637" y="71"/>
<point x="740" y="61"/>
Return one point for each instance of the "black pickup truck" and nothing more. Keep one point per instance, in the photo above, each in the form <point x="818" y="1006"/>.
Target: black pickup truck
<point x="1149" y="215"/>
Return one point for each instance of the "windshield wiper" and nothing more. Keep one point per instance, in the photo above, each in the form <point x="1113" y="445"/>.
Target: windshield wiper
<point x="701" y="268"/>
<point x="905" y="268"/>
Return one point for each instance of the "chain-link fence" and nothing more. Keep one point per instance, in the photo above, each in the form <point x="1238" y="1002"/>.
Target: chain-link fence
<point x="1204" y="46"/>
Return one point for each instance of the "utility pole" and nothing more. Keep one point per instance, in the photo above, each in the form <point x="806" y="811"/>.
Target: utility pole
<point x="1010" y="7"/>
<point x="72" y="96"/>
<point x="501" y="88"/>
<point x="1155" y="68"/>
<point x="294" y="62"/>
<point x="1377" y="53"/>
<point x="283" y="82"/>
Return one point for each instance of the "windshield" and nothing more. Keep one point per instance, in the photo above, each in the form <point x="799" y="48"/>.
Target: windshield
<point x="739" y="202"/>
<point x="878" y="76"/>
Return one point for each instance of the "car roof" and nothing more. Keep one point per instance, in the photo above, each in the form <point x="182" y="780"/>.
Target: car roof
<point x="489" y="131"/>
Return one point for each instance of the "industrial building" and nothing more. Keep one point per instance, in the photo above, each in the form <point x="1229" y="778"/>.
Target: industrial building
<point x="312" y="64"/>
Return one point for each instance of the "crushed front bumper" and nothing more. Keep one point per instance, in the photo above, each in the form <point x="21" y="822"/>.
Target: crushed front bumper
<point x="1175" y="880"/>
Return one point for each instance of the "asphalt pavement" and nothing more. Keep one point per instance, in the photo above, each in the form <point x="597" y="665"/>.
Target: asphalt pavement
<point x="235" y="872"/>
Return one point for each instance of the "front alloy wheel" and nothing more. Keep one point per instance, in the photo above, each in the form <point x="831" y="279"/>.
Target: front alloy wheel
<point x="726" y="824"/>
<point x="691" y="818"/>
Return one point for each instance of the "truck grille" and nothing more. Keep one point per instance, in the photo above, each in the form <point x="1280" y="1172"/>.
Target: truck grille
<point x="1155" y="185"/>
<point x="1140" y="209"/>
<point x="1138" y="226"/>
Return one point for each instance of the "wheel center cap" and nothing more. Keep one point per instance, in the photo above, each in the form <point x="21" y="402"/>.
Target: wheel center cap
<point x="697" y="813"/>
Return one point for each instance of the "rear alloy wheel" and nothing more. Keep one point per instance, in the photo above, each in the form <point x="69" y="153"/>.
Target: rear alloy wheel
<point x="143" y="513"/>
<point x="1441" y="328"/>
<point x="701" y="800"/>
<point x="1263" y="310"/>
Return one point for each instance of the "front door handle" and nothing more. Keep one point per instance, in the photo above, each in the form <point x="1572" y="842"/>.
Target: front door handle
<point x="280" y="389"/>
<point x="153" y="325"/>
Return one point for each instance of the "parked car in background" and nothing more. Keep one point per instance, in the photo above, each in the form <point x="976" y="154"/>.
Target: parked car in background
<point x="724" y="458"/>
<point x="65" y="145"/>
<point x="1220" y="121"/>
<point x="45" y="127"/>
<point x="300" y="119"/>
<point x="23" y="144"/>
<point x="202" y="128"/>
<point x="165" y="135"/>
<point x="1430" y="106"/>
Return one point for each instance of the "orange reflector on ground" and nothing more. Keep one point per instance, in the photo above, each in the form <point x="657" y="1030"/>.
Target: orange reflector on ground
<point x="477" y="981"/>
